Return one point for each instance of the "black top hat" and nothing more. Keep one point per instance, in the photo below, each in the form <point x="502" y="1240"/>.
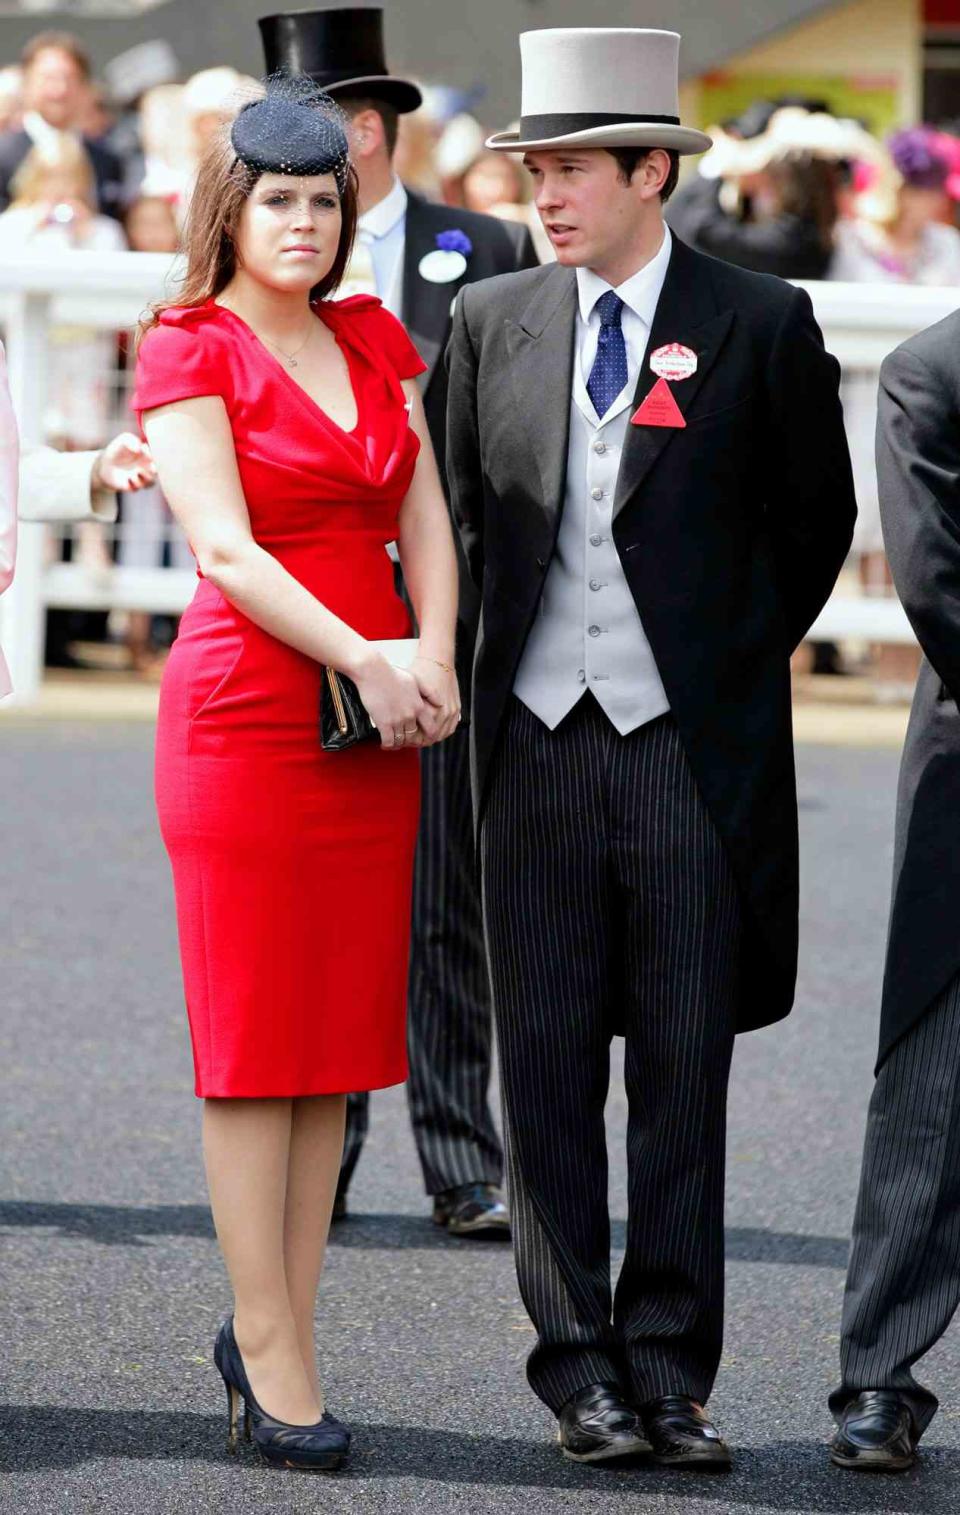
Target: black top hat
<point x="341" y="49"/>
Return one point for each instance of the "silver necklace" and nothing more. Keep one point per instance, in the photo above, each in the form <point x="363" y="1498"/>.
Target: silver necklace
<point x="290" y="358"/>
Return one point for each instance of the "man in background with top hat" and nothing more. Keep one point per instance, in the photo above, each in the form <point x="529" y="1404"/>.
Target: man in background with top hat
<point x="416" y="256"/>
<point x="647" y="463"/>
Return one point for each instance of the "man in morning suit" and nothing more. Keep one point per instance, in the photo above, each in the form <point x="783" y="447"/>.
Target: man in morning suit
<point x="56" y="85"/>
<point x="903" y="1283"/>
<point x="647" y="463"/>
<point x="401" y="256"/>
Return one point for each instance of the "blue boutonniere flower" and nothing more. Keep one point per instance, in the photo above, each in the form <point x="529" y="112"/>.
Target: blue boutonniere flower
<point x="448" y="261"/>
<point x="455" y="241"/>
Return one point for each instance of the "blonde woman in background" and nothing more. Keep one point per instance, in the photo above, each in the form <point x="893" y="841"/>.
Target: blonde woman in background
<point x="897" y="234"/>
<point x="53" y="210"/>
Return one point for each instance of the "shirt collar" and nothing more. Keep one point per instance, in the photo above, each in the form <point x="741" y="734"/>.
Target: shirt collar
<point x="640" y="292"/>
<point x="40" y="131"/>
<point x="381" y="218"/>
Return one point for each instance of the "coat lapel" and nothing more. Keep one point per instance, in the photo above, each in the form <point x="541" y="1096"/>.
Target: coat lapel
<point x="426" y="307"/>
<point x="686" y="313"/>
<point x="541" y="347"/>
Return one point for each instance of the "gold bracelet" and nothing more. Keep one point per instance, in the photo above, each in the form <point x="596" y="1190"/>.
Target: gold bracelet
<point x="447" y="668"/>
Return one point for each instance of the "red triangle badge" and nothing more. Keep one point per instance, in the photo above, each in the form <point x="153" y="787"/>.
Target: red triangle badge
<point x="659" y="408"/>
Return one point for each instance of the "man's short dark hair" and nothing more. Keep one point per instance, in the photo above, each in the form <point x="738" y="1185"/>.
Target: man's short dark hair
<point x="58" y="42"/>
<point x="389" y="115"/>
<point x="630" y="158"/>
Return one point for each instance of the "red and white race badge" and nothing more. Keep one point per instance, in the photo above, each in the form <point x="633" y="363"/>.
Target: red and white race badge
<point x="659" y="409"/>
<point x="674" y="362"/>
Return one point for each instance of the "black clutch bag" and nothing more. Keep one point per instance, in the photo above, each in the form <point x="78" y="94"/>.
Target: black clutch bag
<point x="343" y="716"/>
<point x="344" y="720"/>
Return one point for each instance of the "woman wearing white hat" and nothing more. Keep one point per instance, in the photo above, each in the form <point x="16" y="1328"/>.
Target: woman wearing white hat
<point x="648" y="468"/>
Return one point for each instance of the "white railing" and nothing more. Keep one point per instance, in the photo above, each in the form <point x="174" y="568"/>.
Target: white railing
<point x="103" y="290"/>
<point x="861" y="324"/>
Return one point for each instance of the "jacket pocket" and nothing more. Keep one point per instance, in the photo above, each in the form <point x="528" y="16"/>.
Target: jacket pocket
<point x="723" y="410"/>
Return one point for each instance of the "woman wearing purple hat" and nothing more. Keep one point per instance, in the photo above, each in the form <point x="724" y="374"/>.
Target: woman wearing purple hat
<point x="897" y="235"/>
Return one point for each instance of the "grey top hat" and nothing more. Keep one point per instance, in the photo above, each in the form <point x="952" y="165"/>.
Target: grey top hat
<point x="600" y="87"/>
<point x="340" y="48"/>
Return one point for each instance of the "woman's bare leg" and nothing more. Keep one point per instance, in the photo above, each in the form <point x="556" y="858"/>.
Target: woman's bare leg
<point x="247" y="1145"/>
<point x="316" y="1146"/>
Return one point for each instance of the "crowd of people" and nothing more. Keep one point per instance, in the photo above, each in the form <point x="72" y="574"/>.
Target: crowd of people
<point x="787" y="188"/>
<point x="621" y="434"/>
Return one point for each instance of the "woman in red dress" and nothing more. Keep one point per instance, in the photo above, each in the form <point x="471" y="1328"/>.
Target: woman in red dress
<point x="290" y="441"/>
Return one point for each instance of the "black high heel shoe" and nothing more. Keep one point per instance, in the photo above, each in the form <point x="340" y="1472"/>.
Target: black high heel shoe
<point x="317" y="1448"/>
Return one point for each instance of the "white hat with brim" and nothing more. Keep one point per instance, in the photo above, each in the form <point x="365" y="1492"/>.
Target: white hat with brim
<point x="792" y="132"/>
<point x="600" y="87"/>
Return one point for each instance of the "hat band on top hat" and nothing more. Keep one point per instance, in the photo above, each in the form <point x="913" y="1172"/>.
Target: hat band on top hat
<point x="534" y="128"/>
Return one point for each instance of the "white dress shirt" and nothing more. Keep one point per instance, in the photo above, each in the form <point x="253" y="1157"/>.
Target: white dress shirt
<point x="382" y="231"/>
<point x="588" y="633"/>
<point x="640" y="295"/>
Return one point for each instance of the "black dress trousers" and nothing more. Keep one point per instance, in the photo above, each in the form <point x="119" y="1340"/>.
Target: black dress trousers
<point x="903" y="1283"/>
<point x="610" y="904"/>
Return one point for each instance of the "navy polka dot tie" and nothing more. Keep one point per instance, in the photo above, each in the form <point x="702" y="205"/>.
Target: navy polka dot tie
<point x="609" y="372"/>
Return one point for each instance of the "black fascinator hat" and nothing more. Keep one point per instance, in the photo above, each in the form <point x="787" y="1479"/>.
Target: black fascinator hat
<point x="294" y="128"/>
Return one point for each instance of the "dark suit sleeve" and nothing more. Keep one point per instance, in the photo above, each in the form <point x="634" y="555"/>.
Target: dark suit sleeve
<point x="811" y="506"/>
<point x="464" y="472"/>
<point x="918" y="471"/>
<point x="12" y="153"/>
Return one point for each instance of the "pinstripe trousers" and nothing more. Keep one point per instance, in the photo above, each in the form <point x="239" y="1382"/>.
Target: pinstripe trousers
<point x="903" y="1283"/>
<point x="610" y="905"/>
<point x="449" y="1021"/>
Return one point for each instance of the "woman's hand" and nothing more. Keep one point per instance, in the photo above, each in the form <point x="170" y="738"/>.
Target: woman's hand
<point x="438" y="686"/>
<point x="394" y="703"/>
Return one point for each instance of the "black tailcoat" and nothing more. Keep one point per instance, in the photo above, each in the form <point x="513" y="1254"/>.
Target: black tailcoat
<point x="498" y="247"/>
<point x="918" y="466"/>
<point x="730" y="532"/>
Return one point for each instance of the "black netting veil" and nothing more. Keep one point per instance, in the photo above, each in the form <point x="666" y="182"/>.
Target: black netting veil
<point x="292" y="128"/>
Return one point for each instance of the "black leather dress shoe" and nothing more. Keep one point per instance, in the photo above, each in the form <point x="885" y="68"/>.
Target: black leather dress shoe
<point x="472" y="1210"/>
<point x="597" y="1424"/>
<point x="681" y="1436"/>
<point x="877" y="1433"/>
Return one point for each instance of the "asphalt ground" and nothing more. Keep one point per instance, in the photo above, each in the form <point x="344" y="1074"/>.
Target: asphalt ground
<point x="111" y="1287"/>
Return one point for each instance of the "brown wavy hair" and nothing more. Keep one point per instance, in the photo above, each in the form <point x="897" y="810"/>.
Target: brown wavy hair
<point x="223" y="187"/>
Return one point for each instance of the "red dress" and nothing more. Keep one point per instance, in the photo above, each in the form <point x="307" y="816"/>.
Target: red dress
<point x="292" y="867"/>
